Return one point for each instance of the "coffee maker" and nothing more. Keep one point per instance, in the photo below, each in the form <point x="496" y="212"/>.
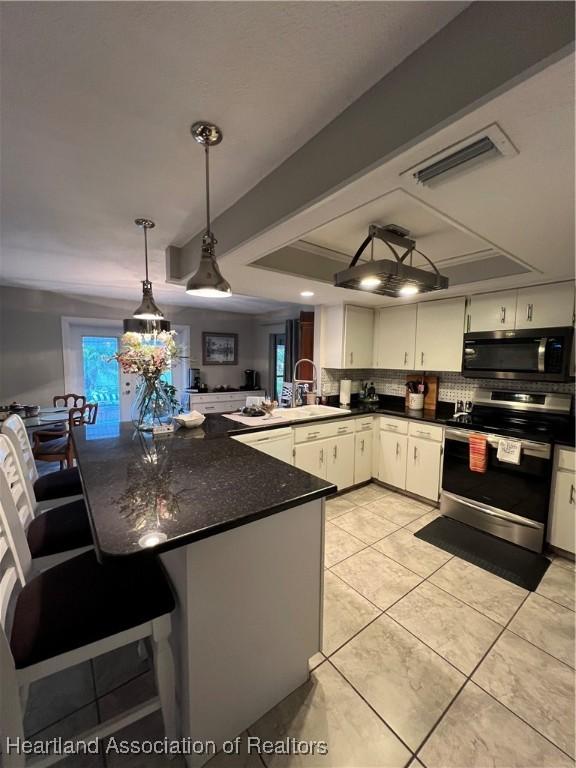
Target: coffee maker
<point x="194" y="381"/>
<point x="251" y="380"/>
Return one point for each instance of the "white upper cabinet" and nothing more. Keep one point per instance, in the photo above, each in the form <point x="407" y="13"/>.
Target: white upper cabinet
<point x="545" y="306"/>
<point x="492" y="311"/>
<point x="440" y="335"/>
<point x="395" y="337"/>
<point x="358" y="337"/>
<point x="347" y="337"/>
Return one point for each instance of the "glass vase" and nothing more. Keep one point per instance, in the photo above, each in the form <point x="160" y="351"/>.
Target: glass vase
<point x="152" y="406"/>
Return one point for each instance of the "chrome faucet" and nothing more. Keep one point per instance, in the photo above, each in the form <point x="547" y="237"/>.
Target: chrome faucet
<point x="296" y="382"/>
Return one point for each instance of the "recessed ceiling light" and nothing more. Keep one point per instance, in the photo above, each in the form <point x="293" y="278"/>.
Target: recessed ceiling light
<point x="306" y="294"/>
<point x="370" y="282"/>
<point x="408" y="290"/>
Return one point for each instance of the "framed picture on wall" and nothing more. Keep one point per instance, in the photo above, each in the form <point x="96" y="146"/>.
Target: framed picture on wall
<point x="219" y="348"/>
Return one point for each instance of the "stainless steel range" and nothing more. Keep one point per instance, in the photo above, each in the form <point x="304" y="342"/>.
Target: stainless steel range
<point x="508" y="499"/>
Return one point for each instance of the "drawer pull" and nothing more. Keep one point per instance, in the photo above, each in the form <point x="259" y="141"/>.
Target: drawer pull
<point x="422" y="432"/>
<point x="392" y="426"/>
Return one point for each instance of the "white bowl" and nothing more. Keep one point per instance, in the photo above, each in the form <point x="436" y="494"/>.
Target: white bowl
<point x="190" y="420"/>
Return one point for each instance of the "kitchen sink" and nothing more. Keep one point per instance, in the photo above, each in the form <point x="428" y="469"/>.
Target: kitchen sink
<point x="310" y="412"/>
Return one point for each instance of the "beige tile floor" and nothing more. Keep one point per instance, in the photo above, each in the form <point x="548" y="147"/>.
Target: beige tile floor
<point x="427" y="661"/>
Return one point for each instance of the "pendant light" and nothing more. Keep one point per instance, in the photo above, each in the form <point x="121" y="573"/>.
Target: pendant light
<point x="148" y="318"/>
<point x="207" y="280"/>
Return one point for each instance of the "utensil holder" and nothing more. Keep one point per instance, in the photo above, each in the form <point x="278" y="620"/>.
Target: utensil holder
<point x="416" y="401"/>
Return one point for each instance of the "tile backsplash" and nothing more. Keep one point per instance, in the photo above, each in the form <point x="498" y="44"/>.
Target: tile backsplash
<point x="452" y="386"/>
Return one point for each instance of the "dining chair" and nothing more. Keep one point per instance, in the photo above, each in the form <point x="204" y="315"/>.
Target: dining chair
<point x="56" y="445"/>
<point x="53" y="487"/>
<point x="52" y="535"/>
<point x="69" y="401"/>
<point x="73" y="612"/>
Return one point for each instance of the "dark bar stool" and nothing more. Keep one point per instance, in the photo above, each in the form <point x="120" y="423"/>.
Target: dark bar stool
<point x="75" y="611"/>
<point x="56" y="531"/>
<point x="55" y="485"/>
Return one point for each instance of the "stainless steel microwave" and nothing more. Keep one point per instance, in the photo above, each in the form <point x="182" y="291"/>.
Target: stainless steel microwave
<point x="542" y="354"/>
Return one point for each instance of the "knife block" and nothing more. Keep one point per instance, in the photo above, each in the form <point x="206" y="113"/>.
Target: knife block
<point x="431" y="396"/>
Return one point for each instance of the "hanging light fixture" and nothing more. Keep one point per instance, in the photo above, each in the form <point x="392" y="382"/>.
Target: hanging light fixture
<point x="208" y="280"/>
<point x="148" y="318"/>
<point x="386" y="277"/>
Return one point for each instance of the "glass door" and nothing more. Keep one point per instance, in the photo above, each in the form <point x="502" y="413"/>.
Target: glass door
<point x="90" y="368"/>
<point x="278" y="354"/>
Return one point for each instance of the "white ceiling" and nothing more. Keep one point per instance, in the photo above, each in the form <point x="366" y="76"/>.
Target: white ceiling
<point x="97" y="100"/>
<point x="521" y="205"/>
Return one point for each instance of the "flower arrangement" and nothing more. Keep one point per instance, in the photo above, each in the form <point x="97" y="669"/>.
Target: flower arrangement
<point x="149" y="356"/>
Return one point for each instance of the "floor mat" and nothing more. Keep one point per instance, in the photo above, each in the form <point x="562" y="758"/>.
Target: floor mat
<point x="515" y="564"/>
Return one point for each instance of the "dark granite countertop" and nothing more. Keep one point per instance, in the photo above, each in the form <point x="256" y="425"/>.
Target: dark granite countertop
<point x="180" y="486"/>
<point x="217" y="425"/>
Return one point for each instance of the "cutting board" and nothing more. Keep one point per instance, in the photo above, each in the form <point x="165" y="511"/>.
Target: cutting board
<point x="431" y="397"/>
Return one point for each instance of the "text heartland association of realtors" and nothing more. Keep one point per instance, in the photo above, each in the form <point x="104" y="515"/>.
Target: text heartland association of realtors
<point x="185" y="746"/>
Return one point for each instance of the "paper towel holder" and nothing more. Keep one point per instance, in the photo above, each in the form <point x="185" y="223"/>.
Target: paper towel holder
<point x="345" y="391"/>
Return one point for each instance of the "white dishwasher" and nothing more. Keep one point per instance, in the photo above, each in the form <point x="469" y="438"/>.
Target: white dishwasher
<point x="274" y="442"/>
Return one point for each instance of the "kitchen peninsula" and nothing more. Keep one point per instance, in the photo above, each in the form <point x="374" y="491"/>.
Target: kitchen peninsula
<point x="241" y="536"/>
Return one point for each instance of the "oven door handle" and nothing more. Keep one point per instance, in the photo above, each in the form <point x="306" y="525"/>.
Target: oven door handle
<point x="507" y="517"/>
<point x="542" y="354"/>
<point x="541" y="450"/>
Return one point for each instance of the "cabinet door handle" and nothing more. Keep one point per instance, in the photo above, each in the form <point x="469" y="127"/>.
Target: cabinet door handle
<point x="397" y="448"/>
<point x="335" y="452"/>
<point x="502" y="314"/>
<point x="529" y="312"/>
<point x="351" y="358"/>
<point x="405" y="358"/>
<point x="422" y="358"/>
<point x="362" y="451"/>
<point x="468" y="321"/>
<point x="571" y="501"/>
<point x="415" y="454"/>
<point x="321" y="455"/>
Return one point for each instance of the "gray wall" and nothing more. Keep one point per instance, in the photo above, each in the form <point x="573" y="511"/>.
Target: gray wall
<point x="31" y="358"/>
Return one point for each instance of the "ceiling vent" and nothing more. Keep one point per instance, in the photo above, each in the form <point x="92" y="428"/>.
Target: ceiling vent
<point x="386" y="277"/>
<point x="485" y="145"/>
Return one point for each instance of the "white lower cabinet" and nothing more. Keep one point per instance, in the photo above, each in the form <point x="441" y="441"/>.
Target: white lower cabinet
<point x="274" y="442"/>
<point x="331" y="459"/>
<point x="392" y="459"/>
<point x="402" y="453"/>
<point x="423" y="467"/>
<point x="363" y="457"/>
<point x="311" y="457"/>
<point x="410" y="456"/>
<point x="340" y="461"/>
<point x="562" y="517"/>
